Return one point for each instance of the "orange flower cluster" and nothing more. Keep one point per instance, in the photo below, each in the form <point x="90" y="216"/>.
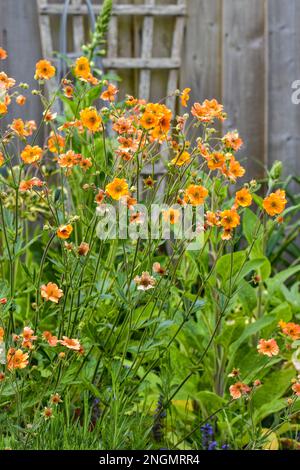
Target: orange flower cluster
<point x="70" y="159"/>
<point x="208" y="111"/>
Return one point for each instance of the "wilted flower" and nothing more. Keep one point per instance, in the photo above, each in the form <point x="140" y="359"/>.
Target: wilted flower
<point x="145" y="281"/>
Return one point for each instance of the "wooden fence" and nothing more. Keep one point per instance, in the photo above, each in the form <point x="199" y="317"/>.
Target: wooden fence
<point x="245" y="53"/>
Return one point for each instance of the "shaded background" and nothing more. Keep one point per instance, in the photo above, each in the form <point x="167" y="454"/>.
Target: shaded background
<point x="245" y="53"/>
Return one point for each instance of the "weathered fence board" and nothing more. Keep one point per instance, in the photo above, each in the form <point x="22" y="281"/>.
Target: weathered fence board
<point x="284" y="69"/>
<point x="243" y="68"/>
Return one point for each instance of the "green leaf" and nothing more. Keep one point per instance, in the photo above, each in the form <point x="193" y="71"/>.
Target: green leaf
<point x="229" y="265"/>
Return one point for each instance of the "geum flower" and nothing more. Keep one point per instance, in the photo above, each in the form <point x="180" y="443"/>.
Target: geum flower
<point x="64" y="231"/>
<point x="195" y="194"/>
<point x="185" y="96"/>
<point x="117" y="188"/>
<point x="296" y="389"/>
<point x="51" y="292"/>
<point x="268" y="347"/>
<point x="110" y="93"/>
<point x="44" y="70"/>
<point x="91" y="119"/>
<point x="31" y="154"/>
<point x="232" y="140"/>
<point x="171" y="215"/>
<point x="181" y="159"/>
<point x="238" y="389"/>
<point x="208" y="111"/>
<point x="274" y="204"/>
<point x="243" y="197"/>
<point x="28" y="337"/>
<point x="290" y="329"/>
<point x="82" y="68"/>
<point x="16" y="359"/>
<point x="70" y="343"/>
<point x="145" y="281"/>
<point x="28" y="185"/>
<point x="51" y="339"/>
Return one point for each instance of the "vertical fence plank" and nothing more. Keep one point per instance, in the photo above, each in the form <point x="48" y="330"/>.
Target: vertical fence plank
<point x="201" y="68"/>
<point x="19" y="34"/>
<point x="147" y="45"/>
<point x="244" y="77"/>
<point x="78" y="29"/>
<point x="175" y="54"/>
<point x="284" y="69"/>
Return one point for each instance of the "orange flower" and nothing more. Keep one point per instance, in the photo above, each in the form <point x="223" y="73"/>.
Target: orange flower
<point x="1" y="334"/>
<point x="28" y="337"/>
<point x="216" y="160"/>
<point x="171" y="215"/>
<point x="16" y="359"/>
<point x="123" y="126"/>
<point x="117" y="188"/>
<point x="85" y="163"/>
<point x="31" y="154"/>
<point x="18" y="126"/>
<point x="91" y="119"/>
<point x="44" y="70"/>
<point x="230" y="219"/>
<point x="100" y="196"/>
<point x="51" y="292"/>
<point x="3" y="108"/>
<point x="55" y="143"/>
<point x="70" y="343"/>
<point x="239" y="389"/>
<point x="290" y="329"/>
<point x="82" y="68"/>
<point x="243" y="197"/>
<point x="232" y="141"/>
<point x="3" y="53"/>
<point x="181" y="159"/>
<point x="208" y="111"/>
<point x="68" y="159"/>
<point x="296" y="388"/>
<point x="211" y="218"/>
<point x="275" y="203"/>
<point x="185" y="96"/>
<point x="27" y="185"/>
<point x="21" y="100"/>
<point x="6" y="82"/>
<point x="110" y="93"/>
<point x="234" y="170"/>
<point x="2" y="159"/>
<point x="195" y="195"/>
<point x="68" y="91"/>
<point x="64" y="231"/>
<point x="148" y="120"/>
<point x="52" y="340"/>
<point x="268" y="347"/>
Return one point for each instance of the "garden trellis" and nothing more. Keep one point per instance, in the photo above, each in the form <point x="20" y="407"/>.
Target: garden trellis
<point x="146" y="64"/>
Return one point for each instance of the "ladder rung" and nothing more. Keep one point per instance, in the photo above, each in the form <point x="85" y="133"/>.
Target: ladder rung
<point x="137" y="63"/>
<point x="118" y="10"/>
